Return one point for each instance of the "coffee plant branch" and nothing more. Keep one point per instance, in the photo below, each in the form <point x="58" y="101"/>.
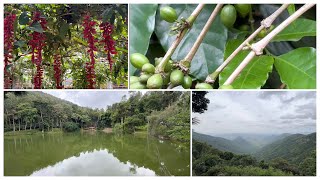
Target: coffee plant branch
<point x="185" y="63"/>
<point x="257" y="48"/>
<point x="181" y="34"/>
<point x="266" y="23"/>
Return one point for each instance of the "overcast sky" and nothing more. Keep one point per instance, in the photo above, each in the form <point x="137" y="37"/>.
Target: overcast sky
<point x="92" y="99"/>
<point x="263" y="112"/>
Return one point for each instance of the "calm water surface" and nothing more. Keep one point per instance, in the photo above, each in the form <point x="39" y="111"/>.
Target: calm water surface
<point x="93" y="154"/>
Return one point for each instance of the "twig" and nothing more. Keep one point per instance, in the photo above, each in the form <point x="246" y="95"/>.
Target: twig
<point x="258" y="47"/>
<point x="174" y="45"/>
<point x="282" y="86"/>
<point x="251" y="20"/>
<point x="264" y="24"/>
<point x="185" y="63"/>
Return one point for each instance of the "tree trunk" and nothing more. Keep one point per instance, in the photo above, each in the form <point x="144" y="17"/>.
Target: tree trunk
<point x="42" y="120"/>
<point x="30" y="126"/>
<point x="25" y="126"/>
<point x="14" y="125"/>
<point x="60" y="124"/>
<point x="19" y="124"/>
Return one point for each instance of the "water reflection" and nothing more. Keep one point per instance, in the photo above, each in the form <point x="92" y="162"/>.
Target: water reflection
<point x="38" y="154"/>
<point x="96" y="163"/>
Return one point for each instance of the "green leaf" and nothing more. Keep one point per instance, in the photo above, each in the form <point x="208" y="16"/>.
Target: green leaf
<point x="210" y="53"/>
<point x="106" y="14"/>
<point x="254" y="75"/>
<point x="20" y="43"/>
<point x="120" y="11"/>
<point x="291" y="9"/>
<point x="8" y="67"/>
<point x="142" y="21"/>
<point x="63" y="30"/>
<point x="24" y="18"/>
<point x="297" y="30"/>
<point x="35" y="27"/>
<point x="113" y="17"/>
<point x="297" y="68"/>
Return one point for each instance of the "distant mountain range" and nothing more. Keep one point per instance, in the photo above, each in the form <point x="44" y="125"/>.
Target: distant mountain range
<point x="238" y="145"/>
<point x="292" y="147"/>
<point x="259" y="140"/>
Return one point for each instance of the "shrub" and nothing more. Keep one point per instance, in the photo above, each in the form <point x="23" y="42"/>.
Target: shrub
<point x="70" y="127"/>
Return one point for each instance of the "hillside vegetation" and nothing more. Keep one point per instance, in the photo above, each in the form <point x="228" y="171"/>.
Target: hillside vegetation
<point x="290" y="155"/>
<point x="162" y="114"/>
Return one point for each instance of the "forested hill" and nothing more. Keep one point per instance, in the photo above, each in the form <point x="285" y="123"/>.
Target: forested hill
<point x="163" y="114"/>
<point x="209" y="161"/>
<point x="238" y="145"/>
<point x="295" y="148"/>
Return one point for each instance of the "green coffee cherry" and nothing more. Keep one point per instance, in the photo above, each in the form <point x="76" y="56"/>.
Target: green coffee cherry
<point x="166" y="78"/>
<point x="144" y="78"/>
<point x="187" y="82"/>
<point x="137" y="85"/>
<point x="228" y="15"/>
<point x="134" y="79"/>
<point x="244" y="27"/>
<point x="176" y="77"/>
<point x="203" y="86"/>
<point x="243" y="9"/>
<point x="169" y="64"/>
<point x="262" y="33"/>
<point x="138" y="60"/>
<point x="168" y="14"/>
<point x="148" y="68"/>
<point x="155" y="82"/>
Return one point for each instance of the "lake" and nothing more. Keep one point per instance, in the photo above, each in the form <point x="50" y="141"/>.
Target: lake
<point x="94" y="154"/>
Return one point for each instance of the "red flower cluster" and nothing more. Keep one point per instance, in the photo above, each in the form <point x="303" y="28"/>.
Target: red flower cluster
<point x="37" y="43"/>
<point x="57" y="70"/>
<point x="8" y="46"/>
<point x="109" y="43"/>
<point x="90" y="75"/>
<point x="88" y="33"/>
<point x="37" y="79"/>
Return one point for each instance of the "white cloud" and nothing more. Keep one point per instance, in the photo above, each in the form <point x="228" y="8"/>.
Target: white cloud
<point x="258" y="112"/>
<point x="92" y="99"/>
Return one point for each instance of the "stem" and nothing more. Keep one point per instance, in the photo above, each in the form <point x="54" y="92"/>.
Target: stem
<point x="251" y="20"/>
<point x="203" y="33"/>
<point x="258" y="47"/>
<point x="266" y="23"/>
<point x="238" y="70"/>
<point x="174" y="45"/>
<point x="171" y="86"/>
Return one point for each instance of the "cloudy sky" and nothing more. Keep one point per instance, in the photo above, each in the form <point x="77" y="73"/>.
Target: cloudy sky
<point x="92" y="99"/>
<point x="262" y="112"/>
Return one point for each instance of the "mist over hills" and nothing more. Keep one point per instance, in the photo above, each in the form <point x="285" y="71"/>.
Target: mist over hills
<point x="255" y="139"/>
<point x="292" y="147"/>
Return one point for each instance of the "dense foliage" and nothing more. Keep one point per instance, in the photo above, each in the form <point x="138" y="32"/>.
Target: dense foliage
<point x="299" y="147"/>
<point x="208" y="161"/>
<point x="165" y="115"/>
<point x="292" y="155"/>
<point x="289" y="60"/>
<point x="65" y="46"/>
